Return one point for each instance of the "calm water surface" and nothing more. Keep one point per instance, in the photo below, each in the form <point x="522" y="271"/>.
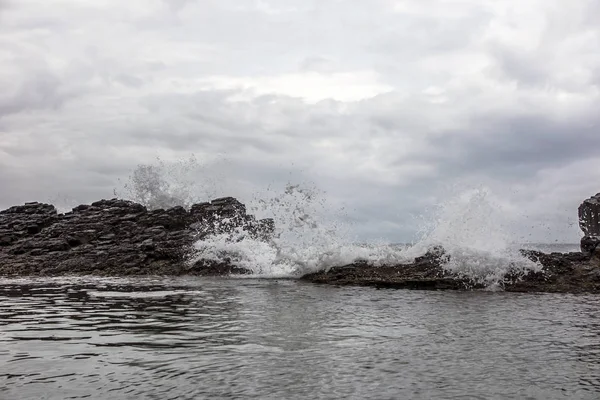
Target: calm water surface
<point x="281" y="339"/>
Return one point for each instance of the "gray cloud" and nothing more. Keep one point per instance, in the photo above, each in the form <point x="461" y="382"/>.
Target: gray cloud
<point x="387" y="106"/>
<point x="42" y="91"/>
<point x="518" y="147"/>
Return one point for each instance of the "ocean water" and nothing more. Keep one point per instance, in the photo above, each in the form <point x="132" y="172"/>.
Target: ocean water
<point x="192" y="338"/>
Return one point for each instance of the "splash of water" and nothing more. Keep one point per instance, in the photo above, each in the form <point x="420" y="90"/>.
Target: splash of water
<point x="313" y="234"/>
<point x="168" y="184"/>
<point x="471" y="227"/>
<point x="308" y="236"/>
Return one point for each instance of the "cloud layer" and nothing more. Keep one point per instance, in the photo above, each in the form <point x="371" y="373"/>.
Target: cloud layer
<point x="386" y="105"/>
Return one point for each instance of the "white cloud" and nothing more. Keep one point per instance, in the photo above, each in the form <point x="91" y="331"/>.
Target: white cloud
<point x="309" y="86"/>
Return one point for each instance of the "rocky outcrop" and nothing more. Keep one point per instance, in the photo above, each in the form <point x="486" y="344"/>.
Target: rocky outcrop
<point x="117" y="237"/>
<point x="425" y="273"/>
<point x="560" y="273"/>
<point x="589" y="222"/>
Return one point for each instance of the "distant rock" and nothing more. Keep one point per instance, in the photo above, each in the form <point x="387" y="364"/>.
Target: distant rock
<point x="117" y="237"/>
<point x="589" y="222"/>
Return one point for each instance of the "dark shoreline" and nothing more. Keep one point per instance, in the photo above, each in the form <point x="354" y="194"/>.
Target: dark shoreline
<point x="560" y="273"/>
<point x="121" y="238"/>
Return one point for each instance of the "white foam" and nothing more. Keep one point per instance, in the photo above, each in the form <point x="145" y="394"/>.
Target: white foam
<point x="473" y="228"/>
<point x="307" y="238"/>
<point x="470" y="227"/>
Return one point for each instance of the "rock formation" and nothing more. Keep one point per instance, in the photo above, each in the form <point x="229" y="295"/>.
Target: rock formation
<point x="560" y="273"/>
<point x="117" y="237"/>
<point x="589" y="222"/>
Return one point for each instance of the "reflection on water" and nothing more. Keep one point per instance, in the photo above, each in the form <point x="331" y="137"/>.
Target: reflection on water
<point x="208" y="338"/>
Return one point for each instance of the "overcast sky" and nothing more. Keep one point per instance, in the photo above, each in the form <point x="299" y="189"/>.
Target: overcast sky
<point x="383" y="104"/>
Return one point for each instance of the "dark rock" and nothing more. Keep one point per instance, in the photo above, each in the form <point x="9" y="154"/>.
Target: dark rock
<point x="223" y="207"/>
<point x="81" y="207"/>
<point x="424" y="275"/>
<point x="6" y="240"/>
<point x="108" y="237"/>
<point x="177" y="210"/>
<point x="148" y="245"/>
<point x="594" y="275"/>
<point x="17" y="250"/>
<point x="199" y="208"/>
<point x="589" y="222"/>
<point x="33" y="229"/>
<point x="589" y="243"/>
<point x="434" y="256"/>
<point x="589" y="216"/>
<point x="129" y="217"/>
<point x="32" y="208"/>
<point x="116" y="237"/>
<point x="57" y="245"/>
<point x="74" y="241"/>
<point x="210" y="267"/>
<point x="561" y="273"/>
<point x="576" y="257"/>
<point x="38" y="252"/>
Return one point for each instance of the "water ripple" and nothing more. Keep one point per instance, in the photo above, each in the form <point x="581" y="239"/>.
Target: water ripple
<point x="266" y="339"/>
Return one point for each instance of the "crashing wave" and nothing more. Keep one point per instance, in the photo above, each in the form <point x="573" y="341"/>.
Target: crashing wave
<point x="311" y="235"/>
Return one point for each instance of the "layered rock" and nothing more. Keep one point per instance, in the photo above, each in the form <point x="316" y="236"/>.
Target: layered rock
<point x="426" y="273"/>
<point x="589" y="222"/>
<point x="559" y="273"/>
<point x="117" y="237"/>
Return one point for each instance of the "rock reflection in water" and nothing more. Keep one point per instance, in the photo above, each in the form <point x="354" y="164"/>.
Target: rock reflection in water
<point x="211" y="338"/>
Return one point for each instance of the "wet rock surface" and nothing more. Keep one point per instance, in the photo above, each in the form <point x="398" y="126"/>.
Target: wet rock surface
<point x="589" y="222"/>
<point x="425" y="273"/>
<point x="118" y="237"/>
<point x="560" y="273"/>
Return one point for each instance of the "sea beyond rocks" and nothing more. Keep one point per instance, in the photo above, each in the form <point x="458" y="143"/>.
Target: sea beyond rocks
<point x="121" y="238"/>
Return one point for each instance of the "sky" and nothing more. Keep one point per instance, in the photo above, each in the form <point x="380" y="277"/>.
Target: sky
<point x="388" y="106"/>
